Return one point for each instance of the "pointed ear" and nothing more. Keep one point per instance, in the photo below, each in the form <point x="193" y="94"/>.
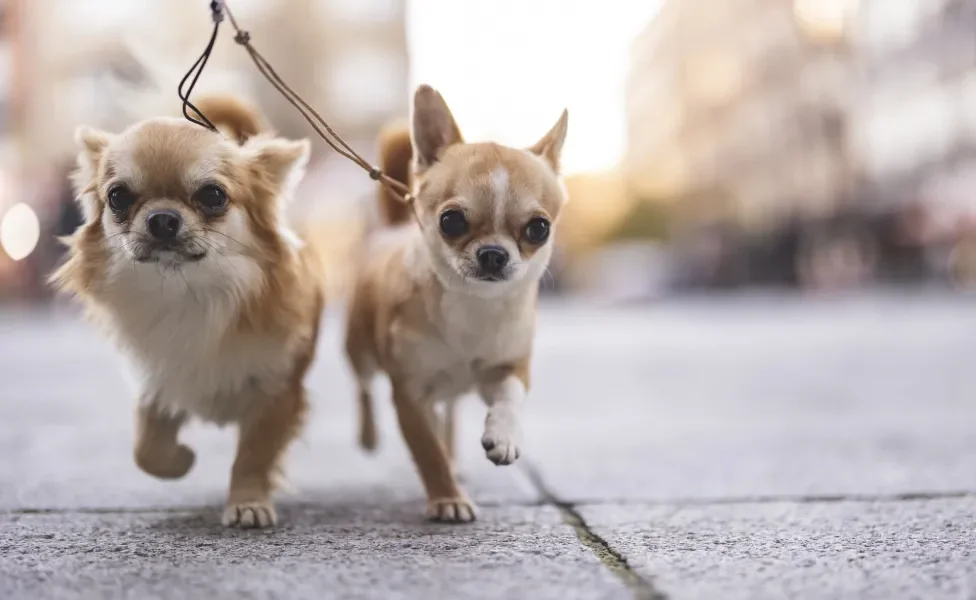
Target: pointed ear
<point x="550" y="147"/>
<point x="91" y="143"/>
<point x="433" y="127"/>
<point x="282" y="161"/>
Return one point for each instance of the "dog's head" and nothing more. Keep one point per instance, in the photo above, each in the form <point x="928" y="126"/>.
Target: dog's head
<point x="169" y="195"/>
<point x="487" y="211"/>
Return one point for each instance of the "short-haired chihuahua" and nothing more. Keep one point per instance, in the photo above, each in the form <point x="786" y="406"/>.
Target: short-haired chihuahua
<point x="445" y="298"/>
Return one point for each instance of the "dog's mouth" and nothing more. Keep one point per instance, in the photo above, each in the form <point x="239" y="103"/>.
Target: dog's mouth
<point x="491" y="277"/>
<point x="169" y="252"/>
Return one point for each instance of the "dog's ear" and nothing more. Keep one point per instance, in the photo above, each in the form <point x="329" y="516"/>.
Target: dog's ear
<point x="550" y="147"/>
<point x="91" y="146"/>
<point x="433" y="128"/>
<point x="282" y="162"/>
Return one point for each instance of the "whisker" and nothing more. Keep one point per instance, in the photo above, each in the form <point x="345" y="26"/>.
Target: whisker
<point x="552" y="278"/>
<point x="187" y="284"/>
<point x="250" y="251"/>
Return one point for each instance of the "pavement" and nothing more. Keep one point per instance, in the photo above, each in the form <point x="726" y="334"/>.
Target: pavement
<point x="755" y="447"/>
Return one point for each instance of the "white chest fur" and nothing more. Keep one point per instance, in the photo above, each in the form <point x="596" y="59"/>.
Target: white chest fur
<point x="184" y="351"/>
<point x="471" y="334"/>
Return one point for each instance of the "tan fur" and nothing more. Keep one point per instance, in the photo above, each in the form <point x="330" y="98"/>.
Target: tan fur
<point x="420" y="315"/>
<point x="232" y="116"/>
<point x="225" y="338"/>
<point x="395" y="153"/>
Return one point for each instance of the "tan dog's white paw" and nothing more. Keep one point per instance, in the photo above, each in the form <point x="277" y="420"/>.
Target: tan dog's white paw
<point x="250" y="515"/>
<point x="451" y="510"/>
<point x="503" y="451"/>
<point x="501" y="441"/>
<point x="171" y="463"/>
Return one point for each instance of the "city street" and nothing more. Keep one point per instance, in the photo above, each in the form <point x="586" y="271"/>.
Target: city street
<point x="741" y="448"/>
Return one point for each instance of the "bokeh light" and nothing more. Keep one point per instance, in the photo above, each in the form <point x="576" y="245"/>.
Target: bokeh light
<point x="20" y="230"/>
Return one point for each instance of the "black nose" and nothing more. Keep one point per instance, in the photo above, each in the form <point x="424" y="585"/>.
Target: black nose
<point x="492" y="259"/>
<point x="164" y="224"/>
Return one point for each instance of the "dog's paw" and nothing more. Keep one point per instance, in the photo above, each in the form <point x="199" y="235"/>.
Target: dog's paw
<point x="451" y="510"/>
<point x="172" y="463"/>
<point x="250" y="515"/>
<point x="501" y="445"/>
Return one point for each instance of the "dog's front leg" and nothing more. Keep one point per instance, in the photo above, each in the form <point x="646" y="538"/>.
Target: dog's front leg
<point x="445" y="499"/>
<point x="264" y="436"/>
<point x="157" y="448"/>
<point x="504" y="390"/>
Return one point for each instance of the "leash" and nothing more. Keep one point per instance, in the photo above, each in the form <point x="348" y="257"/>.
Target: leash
<point x="197" y="69"/>
<point x="219" y="8"/>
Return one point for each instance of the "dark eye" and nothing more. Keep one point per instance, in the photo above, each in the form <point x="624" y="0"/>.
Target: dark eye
<point x="211" y="197"/>
<point x="120" y="199"/>
<point x="453" y="223"/>
<point x="537" y="230"/>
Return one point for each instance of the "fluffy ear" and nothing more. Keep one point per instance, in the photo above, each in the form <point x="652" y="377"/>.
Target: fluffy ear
<point x="282" y="161"/>
<point x="550" y="147"/>
<point x="91" y="145"/>
<point x="433" y="128"/>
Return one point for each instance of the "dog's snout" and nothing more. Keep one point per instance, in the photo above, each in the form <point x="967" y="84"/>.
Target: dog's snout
<point x="492" y="259"/>
<point x="164" y="224"/>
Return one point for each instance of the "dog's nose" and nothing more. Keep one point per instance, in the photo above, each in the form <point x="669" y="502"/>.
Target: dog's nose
<point x="492" y="259"/>
<point x="164" y="224"/>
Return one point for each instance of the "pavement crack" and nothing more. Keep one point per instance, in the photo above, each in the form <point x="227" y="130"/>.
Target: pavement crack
<point x="784" y="498"/>
<point x="615" y="562"/>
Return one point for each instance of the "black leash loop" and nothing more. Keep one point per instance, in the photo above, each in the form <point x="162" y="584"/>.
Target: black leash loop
<point x="217" y="13"/>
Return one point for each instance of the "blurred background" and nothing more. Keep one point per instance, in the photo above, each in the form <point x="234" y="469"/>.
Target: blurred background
<point x="714" y="145"/>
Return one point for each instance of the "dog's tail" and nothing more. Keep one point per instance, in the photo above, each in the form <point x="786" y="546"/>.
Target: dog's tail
<point x="395" y="154"/>
<point x="232" y="115"/>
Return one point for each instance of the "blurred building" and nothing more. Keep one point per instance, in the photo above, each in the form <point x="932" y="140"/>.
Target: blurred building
<point x="8" y="89"/>
<point x="7" y="50"/>
<point x="738" y="108"/>
<point x="11" y="273"/>
<point x="915" y="126"/>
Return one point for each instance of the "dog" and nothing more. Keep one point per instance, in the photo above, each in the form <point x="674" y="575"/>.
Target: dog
<point x="445" y="298"/>
<point x="185" y="261"/>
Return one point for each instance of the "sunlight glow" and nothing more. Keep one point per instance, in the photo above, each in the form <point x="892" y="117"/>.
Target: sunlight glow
<point x="20" y="231"/>
<point x="825" y="20"/>
<point x="508" y="67"/>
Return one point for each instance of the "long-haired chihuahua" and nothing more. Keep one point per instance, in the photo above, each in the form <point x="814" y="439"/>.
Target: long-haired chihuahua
<point x="186" y="262"/>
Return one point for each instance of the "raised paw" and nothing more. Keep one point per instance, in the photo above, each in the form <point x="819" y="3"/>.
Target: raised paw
<point x="500" y="448"/>
<point x="451" y="510"/>
<point x="250" y="515"/>
<point x="172" y="462"/>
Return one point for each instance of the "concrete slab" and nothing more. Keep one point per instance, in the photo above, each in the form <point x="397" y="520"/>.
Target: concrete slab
<point x="679" y="405"/>
<point x="715" y="401"/>
<point x="832" y="551"/>
<point x="336" y="552"/>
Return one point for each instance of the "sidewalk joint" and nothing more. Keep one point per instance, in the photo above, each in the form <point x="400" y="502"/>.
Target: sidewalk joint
<point x="784" y="498"/>
<point x="614" y="561"/>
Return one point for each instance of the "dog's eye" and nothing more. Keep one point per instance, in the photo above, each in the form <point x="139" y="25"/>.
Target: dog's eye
<point x="537" y="230"/>
<point x="453" y="223"/>
<point x="211" y="197"/>
<point x="120" y="199"/>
